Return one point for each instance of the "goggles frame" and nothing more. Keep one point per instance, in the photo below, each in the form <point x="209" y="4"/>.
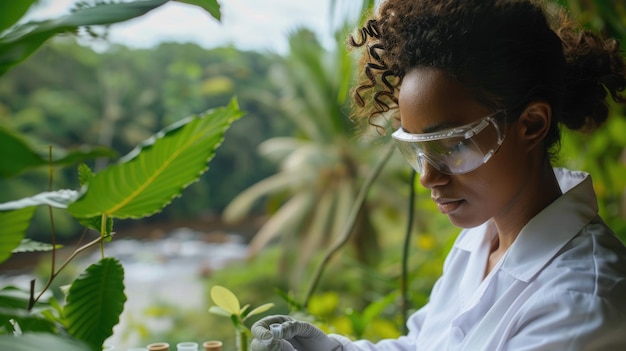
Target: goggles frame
<point x="418" y="143"/>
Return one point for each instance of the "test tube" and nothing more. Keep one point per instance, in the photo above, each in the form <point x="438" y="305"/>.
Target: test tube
<point x="159" y="346"/>
<point x="277" y="330"/>
<point x="212" y="345"/>
<point x="187" y="346"/>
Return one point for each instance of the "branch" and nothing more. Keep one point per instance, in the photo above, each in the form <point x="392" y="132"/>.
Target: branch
<point x="405" y="252"/>
<point x="54" y="274"/>
<point x="358" y="203"/>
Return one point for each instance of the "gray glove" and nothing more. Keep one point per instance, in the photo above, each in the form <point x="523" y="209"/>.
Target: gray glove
<point x="283" y="333"/>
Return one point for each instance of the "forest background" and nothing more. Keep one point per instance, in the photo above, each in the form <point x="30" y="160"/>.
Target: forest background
<point x="284" y="177"/>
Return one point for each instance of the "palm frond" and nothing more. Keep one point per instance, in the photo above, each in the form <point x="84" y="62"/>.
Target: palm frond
<point x="286" y="220"/>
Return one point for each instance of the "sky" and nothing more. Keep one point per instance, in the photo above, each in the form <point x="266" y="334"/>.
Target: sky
<point x="247" y="24"/>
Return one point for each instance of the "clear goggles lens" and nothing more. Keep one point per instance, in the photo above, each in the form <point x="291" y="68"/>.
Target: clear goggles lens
<point x="452" y="151"/>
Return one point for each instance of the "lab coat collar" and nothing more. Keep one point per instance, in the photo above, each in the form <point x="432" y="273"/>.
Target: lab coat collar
<point x="546" y="233"/>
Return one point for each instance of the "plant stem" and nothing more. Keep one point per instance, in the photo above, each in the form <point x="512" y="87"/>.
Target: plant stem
<point x="51" y="214"/>
<point x="53" y="240"/>
<point x="103" y="233"/>
<point x="352" y="216"/>
<point x="405" y="252"/>
<point x="242" y="339"/>
<point x="67" y="261"/>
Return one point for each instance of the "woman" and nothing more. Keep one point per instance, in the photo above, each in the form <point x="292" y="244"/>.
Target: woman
<point x="480" y="88"/>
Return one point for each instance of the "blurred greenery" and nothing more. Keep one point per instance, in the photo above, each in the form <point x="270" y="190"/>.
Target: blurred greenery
<point x="68" y="95"/>
<point x="121" y="97"/>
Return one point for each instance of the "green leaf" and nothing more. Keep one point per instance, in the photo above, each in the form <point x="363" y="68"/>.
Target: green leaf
<point x="18" y="156"/>
<point x="26" y="321"/>
<point x="225" y="299"/>
<point x="260" y="309"/>
<point x="14" y="304"/>
<point x="211" y="6"/>
<point x="85" y="174"/>
<point x="219" y="311"/>
<point x="40" y="341"/>
<point x="376" y="307"/>
<point x="95" y="223"/>
<point x="13" y="297"/>
<point x="12" y="12"/>
<point x="14" y="224"/>
<point x="95" y="301"/>
<point x="28" y="245"/>
<point x="74" y="156"/>
<point x="158" y="170"/>
<point x="23" y="40"/>
<point x="289" y="299"/>
<point x="244" y="310"/>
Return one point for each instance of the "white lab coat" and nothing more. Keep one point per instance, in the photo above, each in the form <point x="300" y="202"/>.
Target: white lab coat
<point x="560" y="286"/>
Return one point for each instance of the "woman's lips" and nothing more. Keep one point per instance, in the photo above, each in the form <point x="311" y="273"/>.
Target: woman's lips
<point x="447" y="206"/>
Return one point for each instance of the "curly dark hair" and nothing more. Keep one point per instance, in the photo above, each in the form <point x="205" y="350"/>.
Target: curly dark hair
<point x="507" y="52"/>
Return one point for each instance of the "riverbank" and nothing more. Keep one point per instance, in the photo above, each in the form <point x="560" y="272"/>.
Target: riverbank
<point x="164" y="265"/>
<point x="210" y="228"/>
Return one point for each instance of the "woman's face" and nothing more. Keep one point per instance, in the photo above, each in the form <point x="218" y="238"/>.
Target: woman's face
<point x="430" y="101"/>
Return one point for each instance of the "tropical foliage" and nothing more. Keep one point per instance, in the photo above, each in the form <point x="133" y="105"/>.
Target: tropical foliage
<point x="601" y="153"/>
<point x="119" y="98"/>
<point x="140" y="184"/>
<point x="57" y="97"/>
<point x="321" y="165"/>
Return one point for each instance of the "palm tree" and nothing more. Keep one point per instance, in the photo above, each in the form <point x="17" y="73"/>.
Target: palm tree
<point x="321" y="167"/>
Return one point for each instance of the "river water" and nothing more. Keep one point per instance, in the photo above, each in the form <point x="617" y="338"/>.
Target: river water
<point x="167" y="271"/>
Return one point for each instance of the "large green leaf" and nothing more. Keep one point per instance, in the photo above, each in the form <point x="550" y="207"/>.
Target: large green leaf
<point x="25" y="39"/>
<point x="12" y="11"/>
<point x="18" y="156"/>
<point x="15" y="217"/>
<point x="13" y="225"/>
<point x="211" y="6"/>
<point x="85" y="175"/>
<point x="158" y="170"/>
<point x="40" y="341"/>
<point x="95" y="301"/>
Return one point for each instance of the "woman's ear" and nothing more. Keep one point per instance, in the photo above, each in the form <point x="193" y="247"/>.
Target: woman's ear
<point x="534" y="123"/>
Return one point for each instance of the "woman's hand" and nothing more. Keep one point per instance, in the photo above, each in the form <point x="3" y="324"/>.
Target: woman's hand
<point x="283" y="333"/>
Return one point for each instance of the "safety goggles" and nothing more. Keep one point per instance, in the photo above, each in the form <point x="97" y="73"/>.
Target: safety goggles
<point x="452" y="151"/>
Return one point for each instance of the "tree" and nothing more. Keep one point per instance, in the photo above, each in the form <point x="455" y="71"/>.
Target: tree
<point x="139" y="185"/>
<point x="321" y="166"/>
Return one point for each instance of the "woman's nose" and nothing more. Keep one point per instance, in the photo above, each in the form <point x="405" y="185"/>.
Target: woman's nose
<point x="431" y="177"/>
